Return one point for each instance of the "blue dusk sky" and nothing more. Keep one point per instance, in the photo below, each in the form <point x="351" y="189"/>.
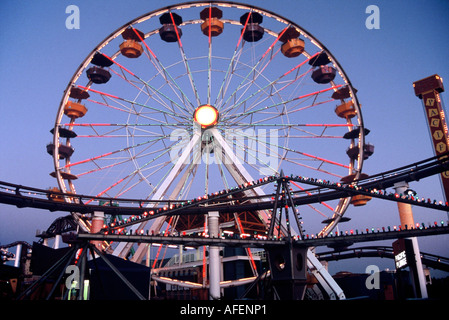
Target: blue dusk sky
<point x="39" y="55"/>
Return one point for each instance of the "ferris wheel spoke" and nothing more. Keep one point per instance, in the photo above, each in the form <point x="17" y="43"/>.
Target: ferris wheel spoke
<point x="130" y="130"/>
<point x="232" y="65"/>
<point x="113" y="185"/>
<point x="253" y="69"/>
<point x="186" y="62"/>
<point x="209" y="60"/>
<point x="176" y="167"/>
<point x="123" y="107"/>
<point x="272" y="83"/>
<point x="289" y="135"/>
<point x="310" y="156"/>
<point x="135" y="127"/>
<point x="161" y="123"/>
<point x="170" y="114"/>
<point x="222" y="175"/>
<point x="114" y="164"/>
<point x="292" y="125"/>
<point x="98" y="167"/>
<point x="106" y="134"/>
<point x="247" y="86"/>
<point x="242" y="114"/>
<point x="298" y="152"/>
<point x="235" y="106"/>
<point x="144" y="176"/>
<point x="155" y="169"/>
<point x="283" y="104"/>
<point x="152" y="90"/>
<point x="151" y="93"/>
<point x="128" y="159"/>
<point x="231" y="111"/>
<point x="300" y="162"/>
<point x="185" y="182"/>
<point x="257" y="157"/>
<point x="114" y="152"/>
<point x="127" y="186"/>
<point x="312" y="105"/>
<point x="133" y="173"/>
<point x="237" y="171"/>
<point x="163" y="71"/>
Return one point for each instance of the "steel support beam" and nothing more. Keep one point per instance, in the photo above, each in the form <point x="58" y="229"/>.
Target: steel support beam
<point x="257" y="243"/>
<point x="214" y="257"/>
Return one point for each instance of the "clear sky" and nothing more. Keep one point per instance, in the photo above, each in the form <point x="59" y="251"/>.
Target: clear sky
<point x="39" y="55"/>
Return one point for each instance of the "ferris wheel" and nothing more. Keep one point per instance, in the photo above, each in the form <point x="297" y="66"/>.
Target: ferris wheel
<point x="198" y="97"/>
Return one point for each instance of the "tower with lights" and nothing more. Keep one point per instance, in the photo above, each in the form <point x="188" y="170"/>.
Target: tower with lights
<point x="428" y="90"/>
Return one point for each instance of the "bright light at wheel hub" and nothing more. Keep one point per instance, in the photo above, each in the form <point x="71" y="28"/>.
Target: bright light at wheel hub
<point x="206" y="116"/>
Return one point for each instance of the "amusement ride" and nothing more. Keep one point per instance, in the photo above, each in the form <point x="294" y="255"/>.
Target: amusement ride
<point x="214" y="124"/>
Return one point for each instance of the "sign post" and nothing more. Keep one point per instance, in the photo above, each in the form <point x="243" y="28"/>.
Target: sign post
<point x="406" y="251"/>
<point x="406" y="254"/>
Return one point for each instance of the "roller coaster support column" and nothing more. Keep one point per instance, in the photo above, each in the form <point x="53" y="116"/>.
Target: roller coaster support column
<point x="405" y="209"/>
<point x="214" y="257"/>
<point x="407" y="222"/>
<point x="97" y="225"/>
<point x="18" y="255"/>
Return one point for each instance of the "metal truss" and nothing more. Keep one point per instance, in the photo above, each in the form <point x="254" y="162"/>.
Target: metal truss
<point x="374" y="186"/>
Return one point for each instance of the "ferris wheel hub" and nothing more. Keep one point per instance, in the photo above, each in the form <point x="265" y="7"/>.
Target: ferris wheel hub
<point x="206" y="115"/>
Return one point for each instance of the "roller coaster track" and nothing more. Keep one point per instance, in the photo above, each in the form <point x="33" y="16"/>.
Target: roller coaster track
<point x="374" y="186"/>
<point x="341" y="240"/>
<point x="430" y="260"/>
<point x="338" y="239"/>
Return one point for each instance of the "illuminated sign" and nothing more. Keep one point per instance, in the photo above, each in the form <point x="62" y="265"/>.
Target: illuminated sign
<point x="428" y="90"/>
<point x="400" y="260"/>
<point x="400" y="253"/>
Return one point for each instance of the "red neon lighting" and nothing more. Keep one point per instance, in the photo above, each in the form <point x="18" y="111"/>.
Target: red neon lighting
<point x="318" y="92"/>
<point x="176" y="29"/>
<point x="99" y="92"/>
<point x="91" y="159"/>
<point x="118" y="64"/>
<point x="272" y="45"/>
<point x="244" y="28"/>
<point x="300" y="65"/>
<point x="210" y="25"/>
<point x="152" y="53"/>
<point x="325" y="160"/>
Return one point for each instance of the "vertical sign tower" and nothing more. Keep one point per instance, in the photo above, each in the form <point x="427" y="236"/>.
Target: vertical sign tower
<point x="428" y="90"/>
